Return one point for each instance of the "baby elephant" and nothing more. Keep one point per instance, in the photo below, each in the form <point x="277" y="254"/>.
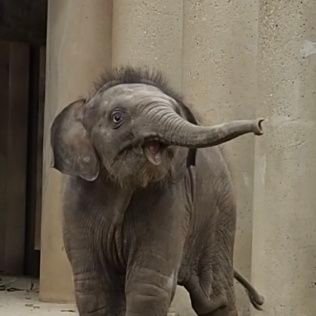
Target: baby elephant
<point x="149" y="201"/>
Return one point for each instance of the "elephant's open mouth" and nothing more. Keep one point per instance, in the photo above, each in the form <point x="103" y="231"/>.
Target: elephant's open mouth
<point x="153" y="151"/>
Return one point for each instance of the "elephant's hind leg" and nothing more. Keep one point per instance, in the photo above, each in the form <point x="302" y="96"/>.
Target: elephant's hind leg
<point x="210" y="305"/>
<point x="212" y="294"/>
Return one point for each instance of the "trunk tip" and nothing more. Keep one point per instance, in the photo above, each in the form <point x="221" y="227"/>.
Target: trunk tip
<point x="258" y="126"/>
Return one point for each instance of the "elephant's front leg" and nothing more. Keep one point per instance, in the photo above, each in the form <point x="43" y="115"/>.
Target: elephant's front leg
<point x="97" y="296"/>
<point x="149" y="292"/>
<point x="158" y="228"/>
<point x="98" y="291"/>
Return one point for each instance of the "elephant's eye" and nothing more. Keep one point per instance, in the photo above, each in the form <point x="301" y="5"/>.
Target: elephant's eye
<point x="117" y="117"/>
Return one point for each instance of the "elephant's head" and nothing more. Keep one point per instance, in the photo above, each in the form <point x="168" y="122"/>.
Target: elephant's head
<point x="133" y="128"/>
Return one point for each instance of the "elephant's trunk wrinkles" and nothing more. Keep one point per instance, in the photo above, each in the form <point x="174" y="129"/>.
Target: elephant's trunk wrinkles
<point x="174" y="130"/>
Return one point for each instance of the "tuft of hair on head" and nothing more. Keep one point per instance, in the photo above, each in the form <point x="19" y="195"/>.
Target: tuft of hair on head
<point x="129" y="74"/>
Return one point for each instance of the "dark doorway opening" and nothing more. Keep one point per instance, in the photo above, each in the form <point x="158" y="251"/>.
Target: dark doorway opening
<point x="22" y="78"/>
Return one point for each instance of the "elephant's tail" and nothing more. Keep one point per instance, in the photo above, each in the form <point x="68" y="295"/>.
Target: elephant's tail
<point x="256" y="299"/>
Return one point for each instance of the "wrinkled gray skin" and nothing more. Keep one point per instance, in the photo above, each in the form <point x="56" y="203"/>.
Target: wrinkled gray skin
<point x="137" y="220"/>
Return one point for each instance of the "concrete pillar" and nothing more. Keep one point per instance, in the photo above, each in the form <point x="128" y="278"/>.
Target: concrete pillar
<point x="78" y="51"/>
<point x="219" y="79"/>
<point x="149" y="33"/>
<point x="284" y="241"/>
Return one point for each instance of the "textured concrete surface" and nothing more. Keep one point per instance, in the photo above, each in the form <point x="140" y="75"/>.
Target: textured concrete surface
<point x="149" y="33"/>
<point x="78" y="51"/>
<point x="284" y="244"/>
<point x="219" y="80"/>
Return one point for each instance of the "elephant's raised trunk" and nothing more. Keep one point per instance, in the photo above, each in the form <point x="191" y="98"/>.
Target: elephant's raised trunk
<point x="174" y="130"/>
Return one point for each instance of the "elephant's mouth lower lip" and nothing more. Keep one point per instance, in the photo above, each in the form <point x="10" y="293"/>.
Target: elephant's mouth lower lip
<point x="153" y="150"/>
<point x="152" y="146"/>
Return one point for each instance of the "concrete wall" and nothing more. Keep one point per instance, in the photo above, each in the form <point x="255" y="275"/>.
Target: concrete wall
<point x="149" y="33"/>
<point x="284" y="243"/>
<point x="78" y="51"/>
<point x="231" y="60"/>
<point x="219" y="80"/>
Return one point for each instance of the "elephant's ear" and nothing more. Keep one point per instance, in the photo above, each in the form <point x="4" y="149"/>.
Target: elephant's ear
<point x="73" y="152"/>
